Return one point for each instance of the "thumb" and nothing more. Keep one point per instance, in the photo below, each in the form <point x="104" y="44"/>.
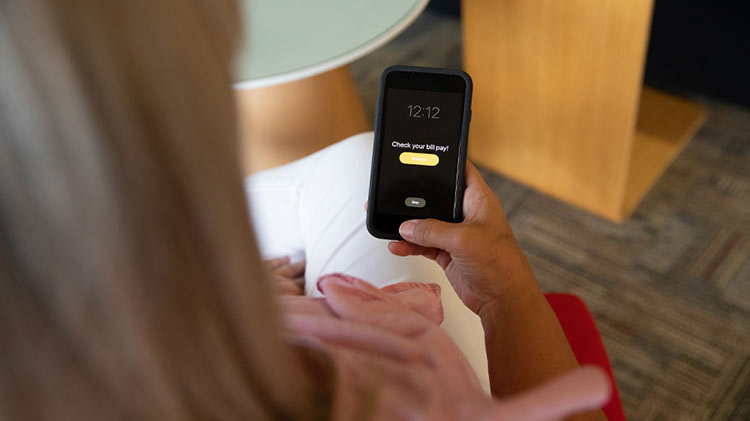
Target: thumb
<point x="431" y="233"/>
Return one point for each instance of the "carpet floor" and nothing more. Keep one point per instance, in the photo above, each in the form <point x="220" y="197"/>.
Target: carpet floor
<point x="669" y="288"/>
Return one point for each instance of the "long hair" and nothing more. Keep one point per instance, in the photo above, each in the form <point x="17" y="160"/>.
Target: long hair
<point x="130" y="284"/>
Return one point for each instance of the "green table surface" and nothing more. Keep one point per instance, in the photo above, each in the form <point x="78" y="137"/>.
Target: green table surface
<point x="287" y="40"/>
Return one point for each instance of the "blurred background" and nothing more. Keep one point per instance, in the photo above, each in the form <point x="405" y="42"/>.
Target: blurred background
<point x="670" y="287"/>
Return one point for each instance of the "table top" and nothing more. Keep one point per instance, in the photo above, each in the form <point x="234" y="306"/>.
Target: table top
<point x="287" y="40"/>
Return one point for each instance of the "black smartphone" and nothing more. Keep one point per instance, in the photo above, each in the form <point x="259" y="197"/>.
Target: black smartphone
<point x="419" y="155"/>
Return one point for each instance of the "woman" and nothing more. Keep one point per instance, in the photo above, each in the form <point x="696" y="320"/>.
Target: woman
<point x="131" y="287"/>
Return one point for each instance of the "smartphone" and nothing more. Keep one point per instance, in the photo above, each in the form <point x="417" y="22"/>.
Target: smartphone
<point x="419" y="154"/>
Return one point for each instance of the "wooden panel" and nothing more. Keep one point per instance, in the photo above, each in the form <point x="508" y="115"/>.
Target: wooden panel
<point x="282" y="123"/>
<point x="557" y="85"/>
<point x="665" y="124"/>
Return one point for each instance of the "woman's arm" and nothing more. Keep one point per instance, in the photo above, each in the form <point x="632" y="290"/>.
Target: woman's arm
<point x="525" y="343"/>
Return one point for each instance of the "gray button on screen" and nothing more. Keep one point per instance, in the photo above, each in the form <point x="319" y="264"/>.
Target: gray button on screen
<point x="415" y="202"/>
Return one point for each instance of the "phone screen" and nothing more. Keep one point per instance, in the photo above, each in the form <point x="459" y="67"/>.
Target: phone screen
<point x="421" y="123"/>
<point x="419" y="153"/>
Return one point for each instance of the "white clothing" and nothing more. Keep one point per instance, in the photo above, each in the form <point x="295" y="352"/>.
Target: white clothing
<point x="314" y="209"/>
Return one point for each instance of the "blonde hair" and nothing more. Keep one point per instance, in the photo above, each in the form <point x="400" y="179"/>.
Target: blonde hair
<point x="131" y="287"/>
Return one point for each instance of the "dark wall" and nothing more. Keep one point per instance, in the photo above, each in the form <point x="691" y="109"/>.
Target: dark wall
<point x="452" y="7"/>
<point x="700" y="47"/>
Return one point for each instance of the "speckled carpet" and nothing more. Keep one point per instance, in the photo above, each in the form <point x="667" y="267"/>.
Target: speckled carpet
<point x="669" y="288"/>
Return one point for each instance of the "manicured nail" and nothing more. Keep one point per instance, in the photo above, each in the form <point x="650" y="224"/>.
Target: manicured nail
<point x="407" y="229"/>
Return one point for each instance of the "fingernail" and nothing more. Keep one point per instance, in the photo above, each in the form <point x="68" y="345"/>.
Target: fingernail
<point x="407" y="229"/>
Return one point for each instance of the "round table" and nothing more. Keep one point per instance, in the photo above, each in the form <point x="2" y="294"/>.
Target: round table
<point x="295" y="93"/>
<point x="287" y="40"/>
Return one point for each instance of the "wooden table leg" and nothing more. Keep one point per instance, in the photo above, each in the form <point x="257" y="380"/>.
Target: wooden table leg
<point x="559" y="103"/>
<point x="282" y="123"/>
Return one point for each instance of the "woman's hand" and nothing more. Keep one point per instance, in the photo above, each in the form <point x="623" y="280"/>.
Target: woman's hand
<point x="480" y="256"/>
<point x="491" y="275"/>
<point x="289" y="278"/>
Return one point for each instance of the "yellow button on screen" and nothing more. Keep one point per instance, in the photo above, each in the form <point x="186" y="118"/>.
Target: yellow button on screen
<point x="413" y="158"/>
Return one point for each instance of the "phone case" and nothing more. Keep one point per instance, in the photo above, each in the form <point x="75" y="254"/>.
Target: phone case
<point x="463" y="144"/>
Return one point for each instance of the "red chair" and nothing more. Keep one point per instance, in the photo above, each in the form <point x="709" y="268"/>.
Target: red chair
<point x="583" y="336"/>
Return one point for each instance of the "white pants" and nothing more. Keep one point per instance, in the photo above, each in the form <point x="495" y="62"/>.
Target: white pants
<point x="314" y="209"/>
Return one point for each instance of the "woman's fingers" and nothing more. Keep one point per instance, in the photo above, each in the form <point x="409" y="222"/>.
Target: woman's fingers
<point x="293" y="270"/>
<point x="402" y="248"/>
<point x="276" y="263"/>
<point x="299" y="281"/>
<point x="584" y="389"/>
<point x="285" y="286"/>
<point x="473" y="177"/>
<point x="432" y="233"/>
<point x="288" y="278"/>
<point x="281" y="266"/>
<point x="405" y="248"/>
